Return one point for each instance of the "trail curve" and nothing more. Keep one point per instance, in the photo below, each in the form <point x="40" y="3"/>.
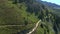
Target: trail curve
<point x="34" y="27"/>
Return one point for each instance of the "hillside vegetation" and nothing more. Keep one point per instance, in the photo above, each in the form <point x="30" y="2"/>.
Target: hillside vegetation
<point x="27" y="13"/>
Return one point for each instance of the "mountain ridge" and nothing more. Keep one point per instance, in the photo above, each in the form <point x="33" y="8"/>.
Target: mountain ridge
<point x="51" y="4"/>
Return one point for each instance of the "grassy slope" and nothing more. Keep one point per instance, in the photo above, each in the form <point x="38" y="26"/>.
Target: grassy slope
<point x="6" y="5"/>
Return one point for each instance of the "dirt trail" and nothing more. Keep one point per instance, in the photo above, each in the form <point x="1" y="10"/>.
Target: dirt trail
<point x="23" y="25"/>
<point x="34" y="27"/>
<point x="9" y="25"/>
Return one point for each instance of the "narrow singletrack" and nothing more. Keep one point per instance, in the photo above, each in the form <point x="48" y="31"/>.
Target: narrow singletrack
<point x="23" y="25"/>
<point x="9" y="25"/>
<point x="34" y="27"/>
